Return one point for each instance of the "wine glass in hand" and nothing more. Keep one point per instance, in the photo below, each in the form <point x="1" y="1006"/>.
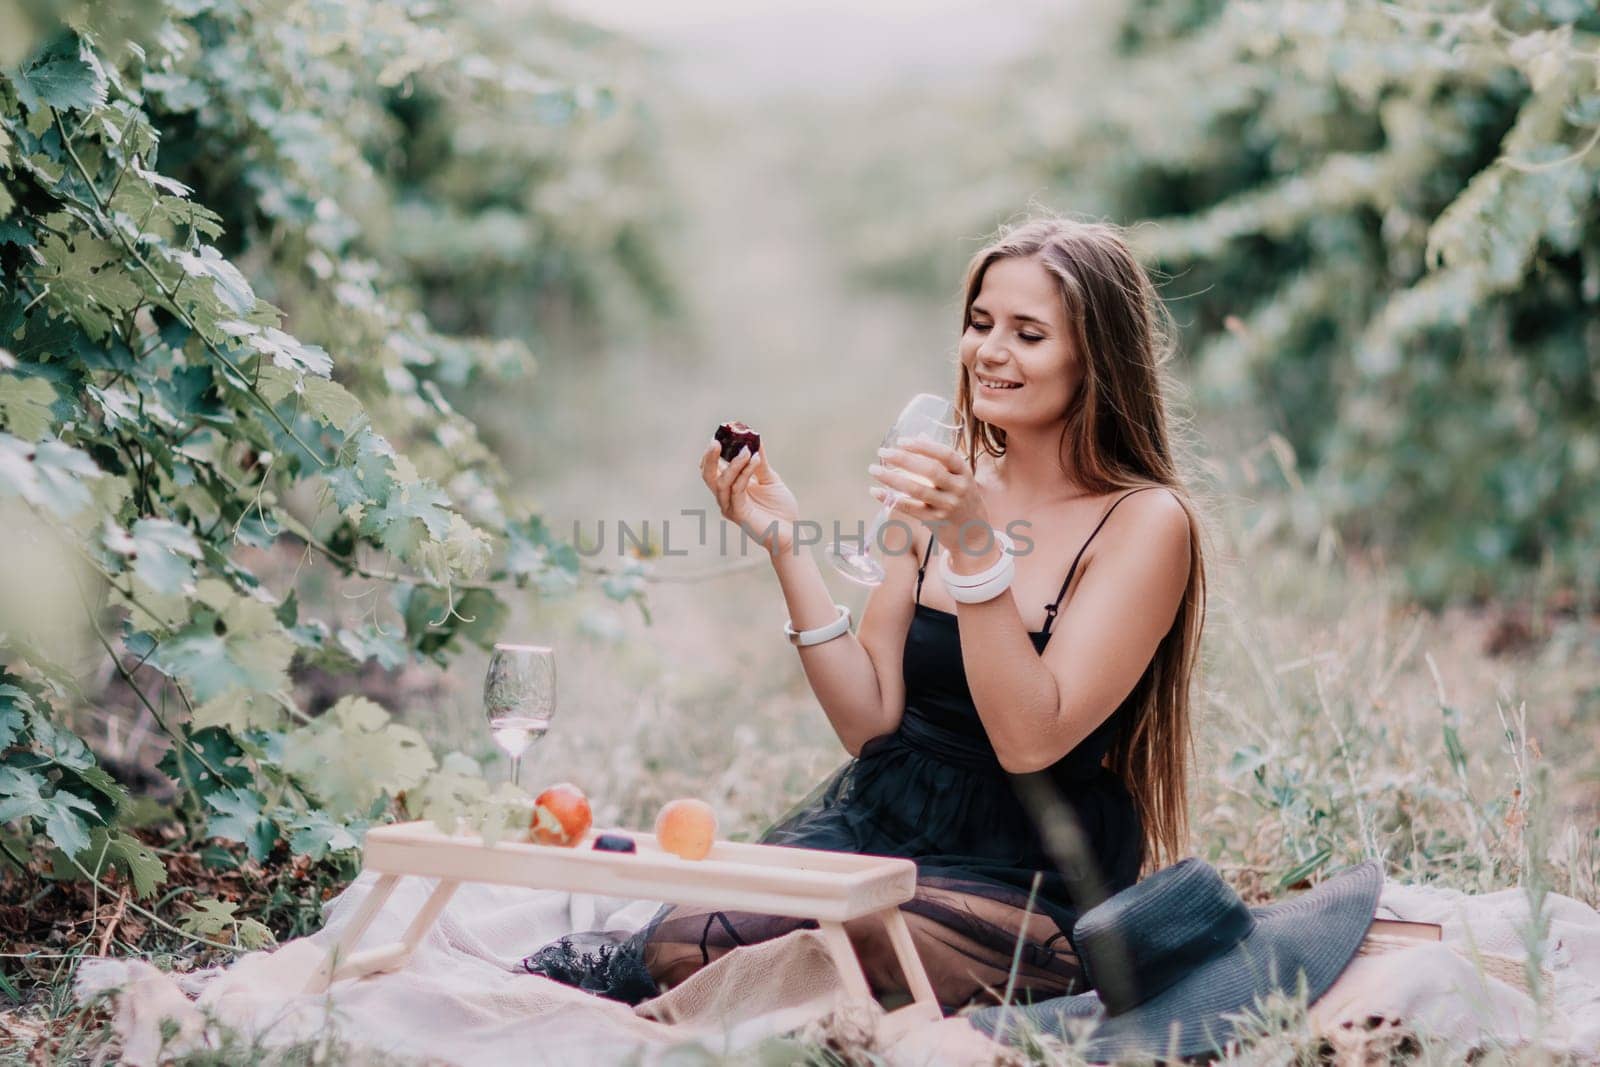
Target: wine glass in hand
<point x="925" y="416"/>
<point x="519" y="697"/>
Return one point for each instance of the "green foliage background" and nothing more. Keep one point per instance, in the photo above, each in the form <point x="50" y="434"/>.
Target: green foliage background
<point x="246" y="250"/>
<point x="1378" y="222"/>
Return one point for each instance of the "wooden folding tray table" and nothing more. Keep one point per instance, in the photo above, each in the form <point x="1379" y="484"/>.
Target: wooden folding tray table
<point x="830" y="887"/>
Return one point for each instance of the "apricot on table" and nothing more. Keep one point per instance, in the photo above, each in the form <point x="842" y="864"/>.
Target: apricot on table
<point x="686" y="827"/>
<point x="561" y="816"/>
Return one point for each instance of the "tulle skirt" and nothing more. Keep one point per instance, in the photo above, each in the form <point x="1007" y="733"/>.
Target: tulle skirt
<point x="1005" y="863"/>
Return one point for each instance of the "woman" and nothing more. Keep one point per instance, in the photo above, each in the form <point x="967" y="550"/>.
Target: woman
<point x="1027" y="777"/>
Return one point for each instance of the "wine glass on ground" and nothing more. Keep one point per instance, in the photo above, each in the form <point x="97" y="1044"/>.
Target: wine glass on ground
<point x="519" y="698"/>
<point x="925" y="416"/>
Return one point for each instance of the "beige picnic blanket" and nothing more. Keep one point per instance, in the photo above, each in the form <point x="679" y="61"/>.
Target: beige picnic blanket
<point x="463" y="999"/>
<point x="1477" y="987"/>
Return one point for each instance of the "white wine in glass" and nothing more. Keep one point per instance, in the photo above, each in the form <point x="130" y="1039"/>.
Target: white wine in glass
<point x="519" y="698"/>
<point x="925" y="416"/>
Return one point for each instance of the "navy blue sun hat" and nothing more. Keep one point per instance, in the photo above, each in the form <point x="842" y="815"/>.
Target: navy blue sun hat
<point x="1169" y="958"/>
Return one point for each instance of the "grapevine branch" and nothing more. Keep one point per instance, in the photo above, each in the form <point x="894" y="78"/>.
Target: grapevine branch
<point x="133" y="685"/>
<point x="152" y="916"/>
<point x="1553" y="164"/>
<point x="171" y="294"/>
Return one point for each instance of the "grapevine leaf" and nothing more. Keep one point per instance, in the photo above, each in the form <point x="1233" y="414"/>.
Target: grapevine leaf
<point x="464" y="551"/>
<point x="86" y="281"/>
<point x="252" y="934"/>
<point x="205" y="761"/>
<point x="25" y="406"/>
<point x="130" y="855"/>
<point x="333" y="404"/>
<point x="20" y="789"/>
<point x="353" y="755"/>
<point x="14" y="704"/>
<point x="61" y="470"/>
<point x="60" y="745"/>
<point x="239" y="817"/>
<point x="371" y="642"/>
<point x="291" y="354"/>
<point x="237" y="709"/>
<point x="21" y="797"/>
<point x="365" y="475"/>
<point x="161" y="181"/>
<point x="326" y="400"/>
<point x="13" y="696"/>
<point x="449" y="793"/>
<point x="210" y="917"/>
<point x="64" y="826"/>
<point x="165" y="555"/>
<point x="533" y="549"/>
<point x="190" y="396"/>
<point x="201" y="659"/>
<point x="97" y="779"/>
<point x="434" y="621"/>
<point x="411" y="514"/>
<point x="64" y="76"/>
<point x="230" y="285"/>
<point x="177" y="92"/>
<point x="481" y="615"/>
<point x="315" y="834"/>
<point x="48" y="475"/>
<point x="11" y="722"/>
<point x="241" y="647"/>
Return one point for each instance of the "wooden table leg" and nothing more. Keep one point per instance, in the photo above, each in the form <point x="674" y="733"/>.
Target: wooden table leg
<point x="845" y="959"/>
<point x="924" y="1006"/>
<point x="429" y="914"/>
<point x="350" y="936"/>
<point x="342" y="962"/>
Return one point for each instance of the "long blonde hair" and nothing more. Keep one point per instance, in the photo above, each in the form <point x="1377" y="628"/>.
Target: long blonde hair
<point x="1121" y="437"/>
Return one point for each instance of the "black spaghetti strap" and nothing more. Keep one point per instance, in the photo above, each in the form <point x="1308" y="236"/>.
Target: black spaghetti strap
<point x="1051" y="609"/>
<point x="925" y="557"/>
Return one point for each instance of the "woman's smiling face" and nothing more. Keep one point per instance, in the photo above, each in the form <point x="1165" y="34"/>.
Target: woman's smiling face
<point x="1017" y="351"/>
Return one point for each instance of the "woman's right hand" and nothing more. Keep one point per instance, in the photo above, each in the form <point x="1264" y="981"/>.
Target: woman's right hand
<point x="751" y="495"/>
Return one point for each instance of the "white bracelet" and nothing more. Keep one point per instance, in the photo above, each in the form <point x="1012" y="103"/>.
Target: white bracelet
<point x="803" y="638"/>
<point x="968" y="581"/>
<point x="977" y="594"/>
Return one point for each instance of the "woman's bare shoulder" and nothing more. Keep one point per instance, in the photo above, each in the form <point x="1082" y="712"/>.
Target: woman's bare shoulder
<point x="1150" y="523"/>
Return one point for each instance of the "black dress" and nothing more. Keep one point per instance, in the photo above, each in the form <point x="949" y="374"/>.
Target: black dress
<point x="932" y="791"/>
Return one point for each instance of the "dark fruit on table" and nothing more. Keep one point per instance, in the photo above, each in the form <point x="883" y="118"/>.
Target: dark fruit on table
<point x="731" y="435"/>
<point x="615" y="843"/>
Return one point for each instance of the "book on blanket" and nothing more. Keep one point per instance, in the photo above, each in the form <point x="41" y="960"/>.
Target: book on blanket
<point x="1407" y="928"/>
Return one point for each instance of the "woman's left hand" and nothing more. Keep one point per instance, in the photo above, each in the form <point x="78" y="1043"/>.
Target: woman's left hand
<point x="949" y="504"/>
